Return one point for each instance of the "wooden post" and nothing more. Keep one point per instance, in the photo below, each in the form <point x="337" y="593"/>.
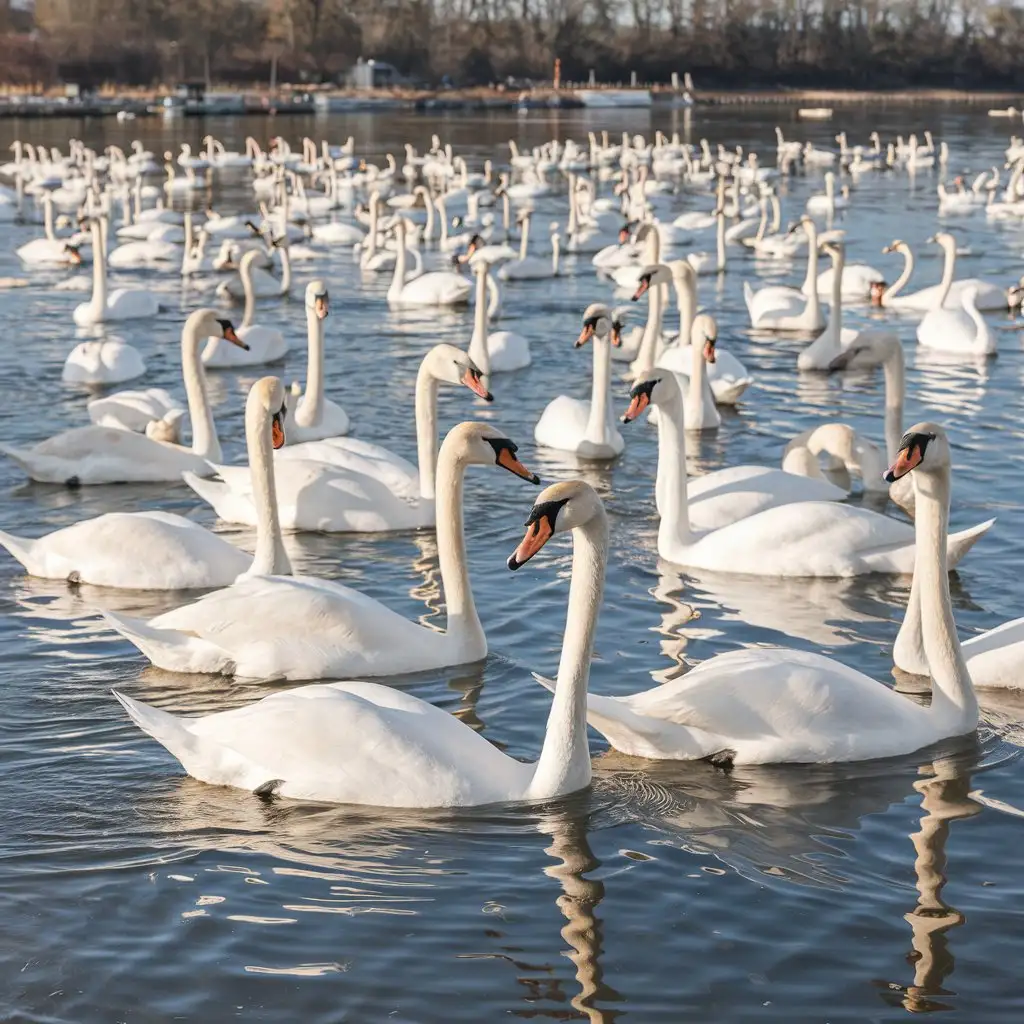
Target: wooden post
<point x="557" y="76"/>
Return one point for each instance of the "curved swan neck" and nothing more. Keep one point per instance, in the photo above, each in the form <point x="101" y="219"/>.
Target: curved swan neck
<point x="270" y="556"/>
<point x="463" y="622"/>
<point x="948" y="270"/>
<point x="478" y="343"/>
<point x="600" y="392"/>
<point x="901" y="281"/>
<point x="426" y="428"/>
<point x="204" y="432"/>
<point x="953" y="694"/>
<point x="674" y="527"/>
<point x="311" y="410"/>
<point x="564" y="762"/>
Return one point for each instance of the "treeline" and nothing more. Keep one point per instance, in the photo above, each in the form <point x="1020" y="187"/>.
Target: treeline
<point x="723" y="43"/>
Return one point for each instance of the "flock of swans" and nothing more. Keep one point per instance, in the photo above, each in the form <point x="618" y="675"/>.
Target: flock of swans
<point x="635" y="214"/>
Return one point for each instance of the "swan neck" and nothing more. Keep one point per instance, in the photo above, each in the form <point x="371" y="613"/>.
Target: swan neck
<point x="674" y="527"/>
<point x="564" y="762"/>
<point x="600" y="392"/>
<point x="99" y="273"/>
<point x="270" y="557"/>
<point x="648" y="354"/>
<point x="524" y="240"/>
<point x="311" y="409"/>
<point x="686" y="299"/>
<point x="948" y="270"/>
<point x="901" y="281"/>
<point x="953" y="697"/>
<point x="464" y="627"/>
<point x="204" y="432"/>
<point x="426" y="429"/>
<point x="286" y="269"/>
<point x="478" y="343"/>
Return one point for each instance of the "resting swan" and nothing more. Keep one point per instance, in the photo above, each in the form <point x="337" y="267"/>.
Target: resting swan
<point x="108" y="455"/>
<point x="585" y="426"/>
<point x="759" y="706"/>
<point x="153" y="412"/>
<point x="300" y="627"/>
<point x="315" y="416"/>
<point x="263" y="344"/>
<point x="121" y="304"/>
<point x="814" y="538"/>
<point x="363" y="743"/>
<point x="163" y="551"/>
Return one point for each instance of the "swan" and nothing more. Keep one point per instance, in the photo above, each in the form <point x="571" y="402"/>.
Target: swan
<point x="301" y="627"/>
<point x="443" y="364"/>
<point x="759" y="706"/>
<point x="947" y="291"/>
<point x="584" y="426"/>
<point x="121" y="304"/>
<point x="49" y="250"/>
<point x="364" y="743"/>
<point x="708" y="262"/>
<point x="727" y="495"/>
<point x="627" y="275"/>
<point x="109" y="455"/>
<point x="815" y="538"/>
<point x="533" y="268"/>
<point x="438" y="288"/>
<point x="493" y="351"/>
<point x="109" y="361"/>
<point x="261" y="284"/>
<point x="152" y="412"/>
<point x="163" y="551"/>
<point x="777" y="308"/>
<point x="314" y="416"/>
<point x="844" y="447"/>
<point x="963" y="331"/>
<point x="829" y="202"/>
<point x="262" y="344"/>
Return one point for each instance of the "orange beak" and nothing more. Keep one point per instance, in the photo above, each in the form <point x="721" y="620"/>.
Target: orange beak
<point x="229" y="335"/>
<point x="322" y="307"/>
<point x="507" y="460"/>
<point x="585" y="335"/>
<point x="637" y="404"/>
<point x="616" y="336"/>
<point x="537" y="535"/>
<point x="642" y="288"/>
<point x="277" y="431"/>
<point x="906" y="460"/>
<point x="473" y="379"/>
<point x="709" y="350"/>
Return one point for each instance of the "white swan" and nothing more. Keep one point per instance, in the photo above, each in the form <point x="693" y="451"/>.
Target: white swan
<point x="260" y="284"/>
<point x="314" y="416"/>
<point x="585" y="427"/>
<point x="443" y="364"/>
<point x="437" y="288"/>
<point x="262" y="344"/>
<point x="274" y="627"/>
<point x="962" y="331"/>
<point x="828" y="202"/>
<point x="534" y="268"/>
<point x="711" y="262"/>
<point x="109" y="455"/>
<point x="778" y="308"/>
<point x="162" y="551"/>
<point x="814" y="538"/>
<point x="49" y="250"/>
<point x="493" y="351"/>
<point x="153" y="412"/>
<point x="947" y="292"/>
<point x="363" y="743"/>
<point x="120" y="304"/>
<point x="102" y="361"/>
<point x="759" y="706"/>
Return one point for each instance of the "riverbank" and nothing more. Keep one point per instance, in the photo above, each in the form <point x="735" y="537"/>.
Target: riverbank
<point x="134" y="103"/>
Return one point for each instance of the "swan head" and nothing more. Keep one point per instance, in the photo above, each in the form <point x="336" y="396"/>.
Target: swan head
<point x="165" y="430"/>
<point x="317" y="299"/>
<point x="657" y="387"/>
<point x="74" y="254"/>
<point x="480" y="444"/>
<point x="944" y="239"/>
<point x="652" y="274"/>
<point x="925" y="447"/>
<point x="453" y="366"/>
<point x="597" y="322"/>
<point x="558" y="509"/>
<point x="267" y="400"/>
<point x="204" y="323"/>
<point x="704" y="332"/>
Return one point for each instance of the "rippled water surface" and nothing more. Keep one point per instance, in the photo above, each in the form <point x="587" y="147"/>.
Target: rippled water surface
<point x="667" y="892"/>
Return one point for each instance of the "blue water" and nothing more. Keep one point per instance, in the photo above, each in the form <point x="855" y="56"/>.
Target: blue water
<point x="667" y="892"/>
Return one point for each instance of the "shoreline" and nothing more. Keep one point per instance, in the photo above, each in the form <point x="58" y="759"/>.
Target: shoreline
<point x="131" y="104"/>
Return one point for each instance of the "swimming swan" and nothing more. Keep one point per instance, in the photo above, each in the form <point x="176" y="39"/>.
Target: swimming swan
<point x="300" y="627"/>
<point x="120" y="304"/>
<point x="759" y="706"/>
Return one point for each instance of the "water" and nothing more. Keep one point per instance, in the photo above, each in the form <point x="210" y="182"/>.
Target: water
<point x="667" y="892"/>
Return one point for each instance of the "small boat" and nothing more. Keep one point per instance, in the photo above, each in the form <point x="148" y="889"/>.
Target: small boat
<point x="815" y="113"/>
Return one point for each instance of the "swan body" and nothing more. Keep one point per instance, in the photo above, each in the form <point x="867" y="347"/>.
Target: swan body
<point x="760" y="706"/>
<point x="961" y="331"/>
<point x="274" y="627"/>
<point x="136" y="410"/>
<point x="103" y="362"/>
<point x="581" y="426"/>
<point x="109" y="455"/>
<point x="437" y="288"/>
<point x="802" y="539"/>
<point x="784" y="309"/>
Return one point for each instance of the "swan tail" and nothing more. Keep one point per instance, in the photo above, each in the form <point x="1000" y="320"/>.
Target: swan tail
<point x="172" y="650"/>
<point x="167" y="729"/>
<point x="19" y="548"/>
<point x="748" y="298"/>
<point x="545" y="681"/>
<point x="960" y="543"/>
